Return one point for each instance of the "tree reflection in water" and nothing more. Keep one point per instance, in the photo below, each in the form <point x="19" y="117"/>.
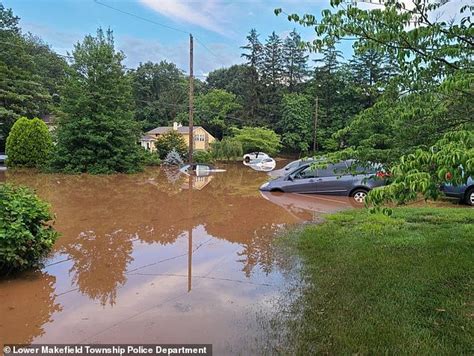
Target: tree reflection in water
<point x="27" y="303"/>
<point x="100" y="218"/>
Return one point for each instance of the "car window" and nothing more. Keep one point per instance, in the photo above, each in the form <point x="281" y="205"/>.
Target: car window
<point x="308" y="172"/>
<point x="331" y="170"/>
<point x="292" y="165"/>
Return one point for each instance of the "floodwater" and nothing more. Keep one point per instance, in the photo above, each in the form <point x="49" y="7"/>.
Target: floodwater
<point x="157" y="257"/>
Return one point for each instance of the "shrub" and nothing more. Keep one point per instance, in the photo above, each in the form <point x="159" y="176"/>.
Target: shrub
<point x="203" y="157"/>
<point x="169" y="141"/>
<point x="25" y="236"/>
<point x="29" y="143"/>
<point x="149" y="158"/>
<point x="173" y="158"/>
<point x="227" y="149"/>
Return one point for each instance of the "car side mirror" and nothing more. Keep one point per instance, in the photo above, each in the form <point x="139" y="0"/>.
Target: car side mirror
<point x="290" y="178"/>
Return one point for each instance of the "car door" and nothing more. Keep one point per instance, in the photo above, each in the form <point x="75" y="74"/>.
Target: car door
<point x="302" y="181"/>
<point x="334" y="179"/>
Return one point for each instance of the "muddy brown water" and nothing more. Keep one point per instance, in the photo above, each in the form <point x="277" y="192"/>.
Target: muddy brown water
<point x="156" y="257"/>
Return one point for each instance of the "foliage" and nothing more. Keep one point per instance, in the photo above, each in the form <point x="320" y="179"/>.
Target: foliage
<point x="430" y="50"/>
<point x="215" y="110"/>
<point x="295" y="60"/>
<point x="258" y="139"/>
<point x="296" y="122"/>
<point x="228" y="149"/>
<point x="149" y="158"/>
<point x="25" y="235"/>
<point x="31" y="75"/>
<point x="381" y="285"/>
<point x="173" y="158"/>
<point x="97" y="133"/>
<point x="160" y="92"/>
<point x="169" y="141"/>
<point x="449" y="161"/>
<point x="201" y="156"/>
<point x="29" y="143"/>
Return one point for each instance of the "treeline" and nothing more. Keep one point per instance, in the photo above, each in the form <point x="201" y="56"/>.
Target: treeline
<point x="402" y="90"/>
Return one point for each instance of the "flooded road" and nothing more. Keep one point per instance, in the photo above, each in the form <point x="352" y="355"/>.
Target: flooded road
<point x="156" y="257"/>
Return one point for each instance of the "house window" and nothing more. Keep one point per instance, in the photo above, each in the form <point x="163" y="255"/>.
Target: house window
<point x="199" y="137"/>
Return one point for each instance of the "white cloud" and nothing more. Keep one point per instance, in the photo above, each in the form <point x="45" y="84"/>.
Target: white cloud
<point x="204" y="13"/>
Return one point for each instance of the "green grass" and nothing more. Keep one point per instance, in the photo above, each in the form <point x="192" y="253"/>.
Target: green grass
<point x="385" y="285"/>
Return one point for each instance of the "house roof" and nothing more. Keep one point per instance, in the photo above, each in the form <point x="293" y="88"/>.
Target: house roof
<point x="164" y="129"/>
<point x="147" y="138"/>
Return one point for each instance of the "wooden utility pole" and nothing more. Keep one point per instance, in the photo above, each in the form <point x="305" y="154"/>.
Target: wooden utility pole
<point x="191" y="100"/>
<point x="315" y="141"/>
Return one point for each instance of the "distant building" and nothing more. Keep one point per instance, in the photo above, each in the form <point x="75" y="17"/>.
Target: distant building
<point x="202" y="138"/>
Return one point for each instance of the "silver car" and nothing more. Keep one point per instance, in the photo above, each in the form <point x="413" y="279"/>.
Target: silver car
<point x="335" y="179"/>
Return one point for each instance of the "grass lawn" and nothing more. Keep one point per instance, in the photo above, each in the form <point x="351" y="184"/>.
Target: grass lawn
<point x="386" y="285"/>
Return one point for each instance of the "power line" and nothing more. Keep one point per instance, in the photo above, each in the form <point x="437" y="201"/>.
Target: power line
<point x="163" y="25"/>
<point x="140" y="17"/>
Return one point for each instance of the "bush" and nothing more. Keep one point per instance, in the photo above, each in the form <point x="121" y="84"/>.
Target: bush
<point x="149" y="158"/>
<point x="169" y="141"/>
<point x="25" y="236"/>
<point x="29" y="143"/>
<point x="227" y="149"/>
<point x="173" y="158"/>
<point x="203" y="157"/>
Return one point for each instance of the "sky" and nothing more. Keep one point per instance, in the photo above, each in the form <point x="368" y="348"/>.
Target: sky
<point x="220" y="27"/>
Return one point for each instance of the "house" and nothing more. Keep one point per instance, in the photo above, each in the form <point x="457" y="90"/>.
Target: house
<point x="202" y="138"/>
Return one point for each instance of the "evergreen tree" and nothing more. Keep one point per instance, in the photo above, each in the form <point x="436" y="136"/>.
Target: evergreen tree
<point x="254" y="48"/>
<point x="97" y="133"/>
<point x="371" y="71"/>
<point x="272" y="71"/>
<point x="295" y="60"/>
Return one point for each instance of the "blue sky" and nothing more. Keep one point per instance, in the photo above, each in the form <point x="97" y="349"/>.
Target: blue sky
<point x="221" y="25"/>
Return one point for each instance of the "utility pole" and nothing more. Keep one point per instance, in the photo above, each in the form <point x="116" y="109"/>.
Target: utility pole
<point x="191" y="100"/>
<point x="315" y="143"/>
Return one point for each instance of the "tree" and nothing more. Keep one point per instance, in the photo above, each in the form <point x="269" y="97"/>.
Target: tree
<point x="449" y="161"/>
<point x="371" y="72"/>
<point x="272" y="71"/>
<point x="295" y="67"/>
<point x="97" y="133"/>
<point x="215" y="110"/>
<point x="429" y="51"/>
<point x="258" y="139"/>
<point x="170" y="141"/>
<point x="29" y="143"/>
<point x="31" y="75"/>
<point x="173" y="158"/>
<point x="160" y="93"/>
<point x="296" y="122"/>
<point x="242" y="81"/>
<point x="254" y="48"/>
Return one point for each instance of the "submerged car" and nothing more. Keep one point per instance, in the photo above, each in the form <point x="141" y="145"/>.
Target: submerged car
<point x="463" y="192"/>
<point x="199" y="169"/>
<point x="335" y="179"/>
<point x="3" y="158"/>
<point x="252" y="156"/>
<point x="264" y="165"/>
